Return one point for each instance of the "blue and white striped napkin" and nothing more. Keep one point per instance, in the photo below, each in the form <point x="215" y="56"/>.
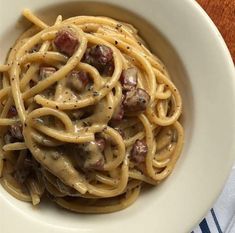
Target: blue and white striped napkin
<point x="221" y="218"/>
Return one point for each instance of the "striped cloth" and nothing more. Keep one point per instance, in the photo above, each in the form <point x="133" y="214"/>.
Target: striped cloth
<point x="221" y="218"/>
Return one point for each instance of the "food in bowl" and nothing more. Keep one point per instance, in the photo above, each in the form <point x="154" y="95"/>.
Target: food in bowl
<point x="88" y="115"/>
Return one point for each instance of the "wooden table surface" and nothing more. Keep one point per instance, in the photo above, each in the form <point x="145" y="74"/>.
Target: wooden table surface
<point x="222" y="12"/>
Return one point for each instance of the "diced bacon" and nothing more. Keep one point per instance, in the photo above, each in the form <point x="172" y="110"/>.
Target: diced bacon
<point x="139" y="151"/>
<point x="101" y="57"/>
<point x="12" y="112"/>
<point x="136" y="100"/>
<point x="78" y="80"/>
<point x="129" y="79"/>
<point x="46" y="72"/>
<point x="66" y="42"/>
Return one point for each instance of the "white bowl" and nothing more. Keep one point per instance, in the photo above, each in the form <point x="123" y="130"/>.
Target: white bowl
<point x="184" y="37"/>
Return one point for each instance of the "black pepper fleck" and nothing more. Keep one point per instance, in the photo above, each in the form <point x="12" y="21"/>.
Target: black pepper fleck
<point x="118" y="26"/>
<point x="95" y="93"/>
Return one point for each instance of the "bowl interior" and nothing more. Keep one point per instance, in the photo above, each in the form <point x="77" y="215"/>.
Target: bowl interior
<point x="159" y="46"/>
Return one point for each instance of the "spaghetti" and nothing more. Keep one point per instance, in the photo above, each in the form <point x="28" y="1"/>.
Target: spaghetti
<point x="88" y="115"/>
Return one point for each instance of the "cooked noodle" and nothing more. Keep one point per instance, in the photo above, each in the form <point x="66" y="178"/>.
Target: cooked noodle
<point x="88" y="115"/>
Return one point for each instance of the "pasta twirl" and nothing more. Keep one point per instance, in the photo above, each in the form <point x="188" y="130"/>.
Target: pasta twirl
<point x="88" y="115"/>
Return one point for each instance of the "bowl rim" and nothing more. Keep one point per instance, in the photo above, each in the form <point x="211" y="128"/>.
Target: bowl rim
<point x="225" y="55"/>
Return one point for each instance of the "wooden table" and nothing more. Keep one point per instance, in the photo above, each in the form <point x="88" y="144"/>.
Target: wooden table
<point x="222" y="12"/>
